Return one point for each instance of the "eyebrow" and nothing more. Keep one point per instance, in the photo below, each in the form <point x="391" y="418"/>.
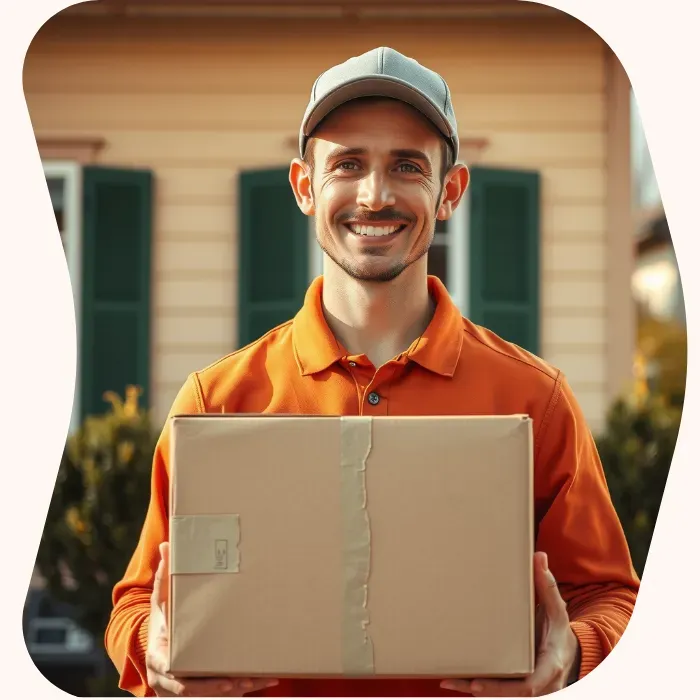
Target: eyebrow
<point x="414" y="154"/>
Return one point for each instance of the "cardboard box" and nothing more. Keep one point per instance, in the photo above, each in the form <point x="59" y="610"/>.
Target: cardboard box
<point x="349" y="546"/>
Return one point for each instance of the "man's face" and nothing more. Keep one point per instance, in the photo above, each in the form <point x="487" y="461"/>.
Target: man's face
<point x="375" y="187"/>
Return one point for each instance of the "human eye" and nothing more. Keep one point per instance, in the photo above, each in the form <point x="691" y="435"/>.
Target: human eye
<point x="347" y="165"/>
<point x="409" y="168"/>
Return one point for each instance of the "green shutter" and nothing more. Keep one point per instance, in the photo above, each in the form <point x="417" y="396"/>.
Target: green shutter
<point x="274" y="252"/>
<point x="116" y="299"/>
<point x="504" y="254"/>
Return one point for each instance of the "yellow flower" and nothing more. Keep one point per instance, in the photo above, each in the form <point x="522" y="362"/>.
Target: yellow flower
<point x="74" y="521"/>
<point x="641" y="387"/>
<point x="125" y="452"/>
<point x="131" y="405"/>
<point x="115" y="400"/>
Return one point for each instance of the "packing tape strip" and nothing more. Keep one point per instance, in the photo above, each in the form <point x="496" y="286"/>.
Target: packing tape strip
<point x="355" y="446"/>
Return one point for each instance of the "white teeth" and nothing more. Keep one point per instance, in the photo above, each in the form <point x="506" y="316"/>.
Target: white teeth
<point x="374" y="230"/>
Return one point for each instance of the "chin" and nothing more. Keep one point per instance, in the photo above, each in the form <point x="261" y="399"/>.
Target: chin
<point x="369" y="273"/>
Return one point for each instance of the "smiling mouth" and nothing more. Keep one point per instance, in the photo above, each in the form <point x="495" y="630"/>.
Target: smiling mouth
<point x="375" y="231"/>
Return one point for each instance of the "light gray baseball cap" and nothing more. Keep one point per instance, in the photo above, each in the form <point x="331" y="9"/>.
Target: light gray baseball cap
<point x="387" y="73"/>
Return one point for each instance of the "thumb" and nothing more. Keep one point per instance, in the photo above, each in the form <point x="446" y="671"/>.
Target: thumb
<point x="547" y="589"/>
<point x="159" y="597"/>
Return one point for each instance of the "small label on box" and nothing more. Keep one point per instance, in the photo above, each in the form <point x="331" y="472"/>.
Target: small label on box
<point x="204" y="544"/>
<point x="221" y="554"/>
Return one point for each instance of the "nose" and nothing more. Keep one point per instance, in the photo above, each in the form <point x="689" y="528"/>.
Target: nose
<point x="375" y="192"/>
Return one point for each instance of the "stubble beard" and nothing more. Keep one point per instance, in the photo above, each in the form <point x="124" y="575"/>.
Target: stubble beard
<point x="358" y="272"/>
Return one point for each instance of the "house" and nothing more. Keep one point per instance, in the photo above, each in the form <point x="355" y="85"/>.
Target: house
<point x="166" y="129"/>
<point x="656" y="280"/>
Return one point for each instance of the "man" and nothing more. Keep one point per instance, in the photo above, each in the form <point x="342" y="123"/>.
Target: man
<point x="378" y="336"/>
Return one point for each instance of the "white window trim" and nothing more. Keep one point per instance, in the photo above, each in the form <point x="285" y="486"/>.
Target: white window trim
<point x="315" y="252"/>
<point x="456" y="242"/>
<point x="71" y="173"/>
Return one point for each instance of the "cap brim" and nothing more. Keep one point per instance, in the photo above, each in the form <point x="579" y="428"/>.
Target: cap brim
<point x="375" y="86"/>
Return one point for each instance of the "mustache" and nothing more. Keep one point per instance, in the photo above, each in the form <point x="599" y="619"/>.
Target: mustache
<point x="372" y="217"/>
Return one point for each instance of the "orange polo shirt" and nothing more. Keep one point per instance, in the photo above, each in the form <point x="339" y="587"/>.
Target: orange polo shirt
<point x="455" y="367"/>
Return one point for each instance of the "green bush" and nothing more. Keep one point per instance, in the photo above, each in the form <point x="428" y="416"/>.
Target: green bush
<point x="97" y="509"/>
<point x="636" y="449"/>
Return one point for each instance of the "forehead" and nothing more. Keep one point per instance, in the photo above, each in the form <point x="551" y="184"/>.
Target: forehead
<point x="378" y="123"/>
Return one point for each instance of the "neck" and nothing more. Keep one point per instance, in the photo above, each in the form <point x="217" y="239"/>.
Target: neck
<point x="377" y="319"/>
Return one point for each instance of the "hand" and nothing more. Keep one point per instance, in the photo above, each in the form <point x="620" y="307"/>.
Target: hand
<point x="165" y="684"/>
<point x="558" y="653"/>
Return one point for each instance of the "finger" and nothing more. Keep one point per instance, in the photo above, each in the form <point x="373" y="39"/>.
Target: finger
<point x="499" y="689"/>
<point x="252" y="685"/>
<point x="540" y="619"/>
<point x="459" y="686"/>
<point x="488" y="688"/>
<point x="160" y="593"/>
<point x="224" y="687"/>
<point x="167" y="687"/>
<point x="547" y="675"/>
<point x="157" y="663"/>
<point x="547" y="588"/>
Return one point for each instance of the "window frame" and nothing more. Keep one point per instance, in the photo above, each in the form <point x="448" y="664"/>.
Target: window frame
<point x="71" y="173"/>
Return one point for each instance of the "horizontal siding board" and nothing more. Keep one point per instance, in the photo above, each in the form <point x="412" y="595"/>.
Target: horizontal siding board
<point x="573" y="184"/>
<point x="577" y="221"/>
<point x="565" y="293"/>
<point x="191" y="185"/>
<point x="196" y="220"/>
<point x="218" y="330"/>
<point x="558" y="330"/>
<point x="564" y="257"/>
<point x="276" y="111"/>
<point x="196" y="256"/>
<point x="215" y="293"/>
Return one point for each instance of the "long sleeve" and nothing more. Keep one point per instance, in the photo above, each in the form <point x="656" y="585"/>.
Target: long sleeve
<point x="580" y="531"/>
<point x="126" y="635"/>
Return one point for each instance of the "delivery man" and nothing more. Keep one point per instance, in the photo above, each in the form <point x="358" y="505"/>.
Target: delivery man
<point x="378" y="336"/>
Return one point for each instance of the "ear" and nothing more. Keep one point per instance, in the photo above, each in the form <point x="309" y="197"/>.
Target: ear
<point x="456" y="182"/>
<point x="300" y="180"/>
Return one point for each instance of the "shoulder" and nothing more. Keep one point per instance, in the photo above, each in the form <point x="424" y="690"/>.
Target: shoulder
<point x="506" y="355"/>
<point x="214" y="384"/>
<point x="510" y="366"/>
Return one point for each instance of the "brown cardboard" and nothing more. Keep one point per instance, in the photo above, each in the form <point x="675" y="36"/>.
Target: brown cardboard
<point x="385" y="547"/>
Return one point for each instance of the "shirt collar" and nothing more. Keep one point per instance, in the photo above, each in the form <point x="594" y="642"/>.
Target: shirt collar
<point x="437" y="349"/>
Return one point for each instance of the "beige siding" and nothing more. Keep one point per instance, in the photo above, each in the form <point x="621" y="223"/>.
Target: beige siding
<point x="200" y="100"/>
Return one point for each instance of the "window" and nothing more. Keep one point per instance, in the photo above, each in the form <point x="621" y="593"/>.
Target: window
<point x="63" y="179"/>
<point x="104" y="220"/>
<point x="448" y="258"/>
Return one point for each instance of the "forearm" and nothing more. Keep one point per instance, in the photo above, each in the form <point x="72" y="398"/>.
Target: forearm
<point x="599" y="616"/>
<point x="126" y="641"/>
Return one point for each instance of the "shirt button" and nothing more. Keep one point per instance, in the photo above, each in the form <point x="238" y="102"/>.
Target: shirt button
<point x="373" y="398"/>
<point x="352" y="364"/>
